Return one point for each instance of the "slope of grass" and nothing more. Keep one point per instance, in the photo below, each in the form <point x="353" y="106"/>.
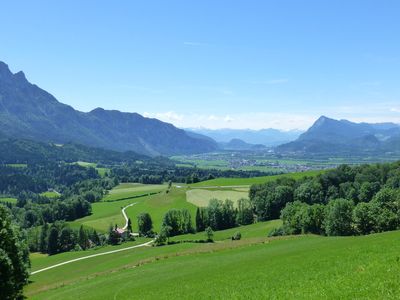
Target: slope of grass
<point x="252" y="180"/>
<point x="40" y="260"/>
<point x="108" y="211"/>
<point x="304" y="267"/>
<point x="104" y="214"/>
<point x="50" y="194"/>
<point x="157" y="205"/>
<point x="201" y="197"/>
<point x="260" y="229"/>
<point x="130" y="190"/>
<point x="101" y="171"/>
<point x="9" y="200"/>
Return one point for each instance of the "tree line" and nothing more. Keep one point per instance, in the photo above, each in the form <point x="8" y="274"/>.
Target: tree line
<point x="346" y="200"/>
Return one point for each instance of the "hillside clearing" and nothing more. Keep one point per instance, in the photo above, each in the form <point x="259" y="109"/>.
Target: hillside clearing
<point x="253" y="180"/>
<point x="201" y="197"/>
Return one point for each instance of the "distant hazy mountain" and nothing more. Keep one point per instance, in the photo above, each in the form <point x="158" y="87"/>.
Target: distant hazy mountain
<point x="27" y="111"/>
<point x="341" y="136"/>
<point x="267" y="137"/>
<point x="238" y="144"/>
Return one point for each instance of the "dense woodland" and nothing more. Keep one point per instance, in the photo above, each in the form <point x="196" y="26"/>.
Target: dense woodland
<point x="344" y="201"/>
<point x="347" y="200"/>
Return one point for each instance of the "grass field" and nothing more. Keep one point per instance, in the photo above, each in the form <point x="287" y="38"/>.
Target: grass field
<point x="252" y="180"/>
<point x="108" y="211"/>
<point x="101" y="171"/>
<point x="50" y="194"/>
<point x="9" y="200"/>
<point x="303" y="267"/>
<point x="201" y="197"/>
<point x="260" y="229"/>
<point x="130" y="190"/>
<point x="17" y="165"/>
<point x="157" y="205"/>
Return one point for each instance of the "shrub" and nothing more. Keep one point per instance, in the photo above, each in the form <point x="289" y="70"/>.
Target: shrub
<point x="237" y="236"/>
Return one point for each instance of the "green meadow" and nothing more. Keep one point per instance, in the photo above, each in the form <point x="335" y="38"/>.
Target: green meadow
<point x="108" y="211"/>
<point x="130" y="190"/>
<point x="157" y="205"/>
<point x="8" y="200"/>
<point x="253" y="180"/>
<point x="201" y="197"/>
<point x="101" y="171"/>
<point x="301" y="267"/>
<point x="50" y="194"/>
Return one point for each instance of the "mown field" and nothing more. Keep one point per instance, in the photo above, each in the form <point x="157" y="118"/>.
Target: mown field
<point x="302" y="267"/>
<point x="201" y="197"/>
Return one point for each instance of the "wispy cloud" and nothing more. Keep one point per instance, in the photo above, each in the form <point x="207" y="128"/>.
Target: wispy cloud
<point x="395" y="109"/>
<point x="261" y="120"/>
<point x="236" y="121"/>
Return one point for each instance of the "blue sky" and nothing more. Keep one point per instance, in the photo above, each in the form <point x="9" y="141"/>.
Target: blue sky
<point x="215" y="64"/>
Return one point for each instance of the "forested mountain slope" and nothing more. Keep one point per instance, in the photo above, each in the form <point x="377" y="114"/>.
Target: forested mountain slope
<point x="27" y="111"/>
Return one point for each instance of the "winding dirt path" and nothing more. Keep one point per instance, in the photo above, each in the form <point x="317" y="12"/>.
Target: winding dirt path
<point x="99" y="254"/>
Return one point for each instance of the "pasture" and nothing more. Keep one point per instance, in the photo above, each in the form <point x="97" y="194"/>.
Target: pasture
<point x="8" y="200"/>
<point x="233" y="182"/>
<point x="108" y="211"/>
<point x="157" y="205"/>
<point x="101" y="171"/>
<point x="51" y="194"/>
<point x="130" y="190"/>
<point x="299" y="267"/>
<point x="201" y="197"/>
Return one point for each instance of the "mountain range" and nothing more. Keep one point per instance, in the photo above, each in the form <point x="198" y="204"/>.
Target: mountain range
<point x="327" y="135"/>
<point x="29" y="112"/>
<point x="268" y="137"/>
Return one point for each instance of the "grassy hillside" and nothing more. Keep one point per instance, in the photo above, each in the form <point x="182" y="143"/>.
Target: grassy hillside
<point x="157" y="205"/>
<point x="130" y="190"/>
<point x="8" y="200"/>
<point x="252" y="180"/>
<point x="108" y="211"/>
<point x="201" y="197"/>
<point x="303" y="267"/>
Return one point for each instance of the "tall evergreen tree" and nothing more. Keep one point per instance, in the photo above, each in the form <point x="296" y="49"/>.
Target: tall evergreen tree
<point x="200" y="222"/>
<point x="129" y="227"/>
<point x="52" y="240"/>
